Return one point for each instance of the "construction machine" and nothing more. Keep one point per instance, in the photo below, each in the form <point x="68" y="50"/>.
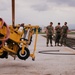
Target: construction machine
<point x="14" y="42"/>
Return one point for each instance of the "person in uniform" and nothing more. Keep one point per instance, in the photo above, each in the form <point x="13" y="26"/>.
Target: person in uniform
<point x="49" y="32"/>
<point x="64" y="33"/>
<point x="57" y="34"/>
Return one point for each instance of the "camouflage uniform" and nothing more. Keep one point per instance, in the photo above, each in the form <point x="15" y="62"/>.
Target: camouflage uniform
<point x="57" y="34"/>
<point x="64" y="34"/>
<point x="49" y="34"/>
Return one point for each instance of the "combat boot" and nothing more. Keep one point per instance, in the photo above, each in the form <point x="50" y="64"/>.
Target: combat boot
<point x="58" y="44"/>
<point x="55" y="44"/>
<point x="47" y="45"/>
<point x="51" y="45"/>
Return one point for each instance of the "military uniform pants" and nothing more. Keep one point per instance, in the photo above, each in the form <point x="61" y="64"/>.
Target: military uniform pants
<point x="63" y="39"/>
<point x="57" y="38"/>
<point x="49" y="38"/>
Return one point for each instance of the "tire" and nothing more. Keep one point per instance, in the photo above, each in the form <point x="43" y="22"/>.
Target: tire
<point x="4" y="55"/>
<point x="25" y="55"/>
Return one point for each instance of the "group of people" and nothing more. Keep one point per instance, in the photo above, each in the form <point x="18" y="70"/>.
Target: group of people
<point x="60" y="33"/>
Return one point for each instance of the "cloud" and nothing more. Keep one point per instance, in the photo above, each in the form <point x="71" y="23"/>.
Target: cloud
<point x="4" y="5"/>
<point x="40" y="7"/>
<point x="2" y="8"/>
<point x="39" y="12"/>
<point x="63" y="2"/>
<point x="45" y="5"/>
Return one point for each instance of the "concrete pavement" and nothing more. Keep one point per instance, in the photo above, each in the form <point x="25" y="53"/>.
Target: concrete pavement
<point x="71" y="36"/>
<point x="44" y="64"/>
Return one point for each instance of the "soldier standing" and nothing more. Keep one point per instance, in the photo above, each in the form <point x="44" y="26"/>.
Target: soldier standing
<point x="57" y="34"/>
<point x="64" y="33"/>
<point x="49" y="32"/>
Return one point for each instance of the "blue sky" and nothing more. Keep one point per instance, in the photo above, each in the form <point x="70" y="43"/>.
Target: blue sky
<point x="39" y="12"/>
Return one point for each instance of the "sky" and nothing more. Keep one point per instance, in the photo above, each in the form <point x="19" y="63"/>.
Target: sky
<point x="39" y="12"/>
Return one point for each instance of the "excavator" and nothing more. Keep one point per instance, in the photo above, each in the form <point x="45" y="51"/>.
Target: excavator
<point x="15" y="42"/>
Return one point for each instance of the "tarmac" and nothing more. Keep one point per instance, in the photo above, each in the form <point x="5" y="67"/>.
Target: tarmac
<point x="71" y="36"/>
<point x="54" y="60"/>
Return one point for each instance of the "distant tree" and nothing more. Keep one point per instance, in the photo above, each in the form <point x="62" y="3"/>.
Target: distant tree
<point x="39" y="29"/>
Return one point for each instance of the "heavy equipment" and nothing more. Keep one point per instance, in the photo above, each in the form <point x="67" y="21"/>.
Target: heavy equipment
<point x="14" y="41"/>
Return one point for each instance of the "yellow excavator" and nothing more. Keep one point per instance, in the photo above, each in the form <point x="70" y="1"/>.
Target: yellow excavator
<point x="15" y="42"/>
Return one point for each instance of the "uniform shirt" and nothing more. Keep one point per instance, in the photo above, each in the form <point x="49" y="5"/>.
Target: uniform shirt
<point x="58" y="29"/>
<point x="50" y="30"/>
<point x="64" y="29"/>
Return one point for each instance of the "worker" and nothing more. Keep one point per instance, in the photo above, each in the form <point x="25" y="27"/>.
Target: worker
<point x="57" y="34"/>
<point x="64" y="33"/>
<point x="49" y="32"/>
